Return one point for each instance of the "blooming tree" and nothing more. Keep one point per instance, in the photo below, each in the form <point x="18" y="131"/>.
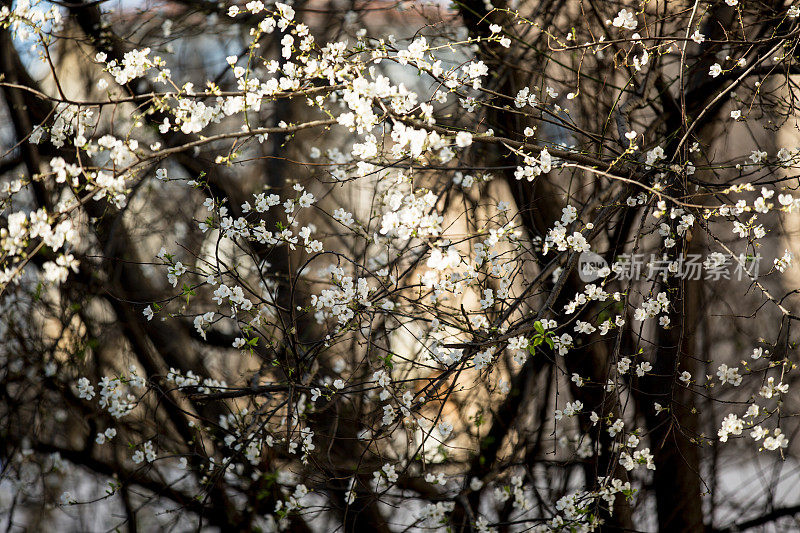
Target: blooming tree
<point x="322" y="266"/>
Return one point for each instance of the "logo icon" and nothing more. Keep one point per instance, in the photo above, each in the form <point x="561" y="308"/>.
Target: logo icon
<point x="591" y="266"/>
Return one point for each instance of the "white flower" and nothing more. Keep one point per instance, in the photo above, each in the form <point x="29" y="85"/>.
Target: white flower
<point x="643" y="368"/>
<point x="389" y="472"/>
<point x="85" y="389"/>
<point x="445" y="429"/>
<point x="616" y="427"/>
<point x="731" y="425"/>
<point x="729" y="375"/>
<point x="715" y="70"/>
<point x="759" y="433"/>
<point x="476" y="69"/>
<point x="770" y="388"/>
<point x="757" y="156"/>
<point x="752" y="411"/>
<point x="654" y="155"/>
<point x="571" y="409"/>
<point x="782" y="263"/>
<point x="463" y="139"/>
<point x="625" y="19"/>
<point x="388" y="415"/>
<point x="779" y="440"/>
